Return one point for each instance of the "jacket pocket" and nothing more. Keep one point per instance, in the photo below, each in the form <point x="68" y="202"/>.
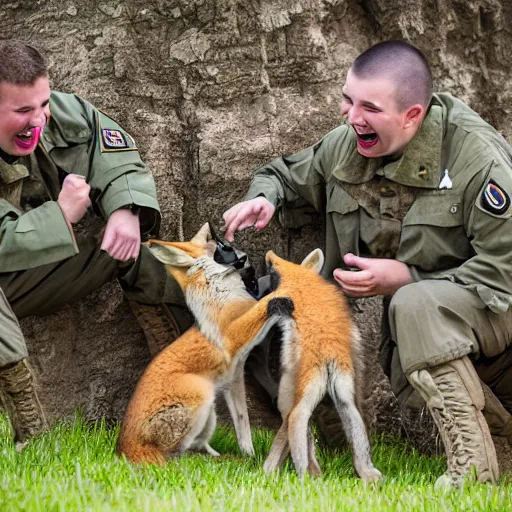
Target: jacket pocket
<point x="433" y="234"/>
<point x="435" y="209"/>
<point x="340" y="201"/>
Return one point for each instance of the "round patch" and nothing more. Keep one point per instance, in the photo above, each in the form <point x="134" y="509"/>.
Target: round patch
<point x="495" y="199"/>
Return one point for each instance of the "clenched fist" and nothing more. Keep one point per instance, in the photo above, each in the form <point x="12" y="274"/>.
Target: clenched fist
<point x="74" y="197"/>
<point x="122" y="235"/>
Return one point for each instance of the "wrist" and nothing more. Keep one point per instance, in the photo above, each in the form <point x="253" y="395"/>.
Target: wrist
<point x="135" y="209"/>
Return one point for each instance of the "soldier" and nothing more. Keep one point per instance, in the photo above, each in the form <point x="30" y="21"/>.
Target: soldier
<point x="58" y="156"/>
<point x="415" y="188"/>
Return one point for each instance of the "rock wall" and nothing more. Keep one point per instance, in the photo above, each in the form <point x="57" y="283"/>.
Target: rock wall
<point x="211" y="89"/>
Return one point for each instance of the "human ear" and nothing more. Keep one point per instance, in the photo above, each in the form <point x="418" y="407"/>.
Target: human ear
<point x="413" y="116"/>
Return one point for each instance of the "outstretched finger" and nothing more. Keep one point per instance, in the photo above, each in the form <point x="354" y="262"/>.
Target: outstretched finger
<point x="241" y="220"/>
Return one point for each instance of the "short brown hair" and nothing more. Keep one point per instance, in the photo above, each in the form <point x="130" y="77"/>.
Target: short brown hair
<point x="404" y="64"/>
<point x="20" y="63"/>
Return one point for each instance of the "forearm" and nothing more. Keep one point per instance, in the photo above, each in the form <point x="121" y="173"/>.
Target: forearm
<point x="133" y="189"/>
<point x="38" y="237"/>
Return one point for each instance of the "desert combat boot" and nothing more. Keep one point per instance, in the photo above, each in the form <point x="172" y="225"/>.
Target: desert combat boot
<point x="455" y="399"/>
<point x="160" y="323"/>
<point x="21" y="403"/>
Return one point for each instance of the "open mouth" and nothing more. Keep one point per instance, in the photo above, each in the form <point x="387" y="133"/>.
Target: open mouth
<point x="366" y="140"/>
<point x="28" y="138"/>
<point x="367" y="136"/>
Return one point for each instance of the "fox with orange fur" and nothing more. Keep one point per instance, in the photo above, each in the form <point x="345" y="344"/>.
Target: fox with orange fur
<point x="172" y="409"/>
<point x="320" y="356"/>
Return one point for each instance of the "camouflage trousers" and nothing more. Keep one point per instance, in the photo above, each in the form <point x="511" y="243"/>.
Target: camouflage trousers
<point x="44" y="289"/>
<point x="432" y="322"/>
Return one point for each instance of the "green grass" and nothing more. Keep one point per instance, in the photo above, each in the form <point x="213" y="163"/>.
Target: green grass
<point x="74" y="468"/>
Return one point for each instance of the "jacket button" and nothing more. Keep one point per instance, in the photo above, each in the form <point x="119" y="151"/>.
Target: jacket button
<point x="423" y="173"/>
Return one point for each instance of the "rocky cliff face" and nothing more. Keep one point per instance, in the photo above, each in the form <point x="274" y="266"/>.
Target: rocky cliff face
<point x="211" y="89"/>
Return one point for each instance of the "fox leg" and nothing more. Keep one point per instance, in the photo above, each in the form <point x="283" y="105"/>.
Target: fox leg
<point x="299" y="435"/>
<point x="278" y="311"/>
<point x="285" y="400"/>
<point x="202" y="442"/>
<point x="202" y="393"/>
<point x="280" y="446"/>
<point x="313" y="465"/>
<point x="236" y="401"/>
<point x="341" y="389"/>
<point x="279" y="449"/>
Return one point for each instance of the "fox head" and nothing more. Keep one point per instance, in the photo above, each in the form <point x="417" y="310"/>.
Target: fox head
<point x="277" y="267"/>
<point x="206" y="283"/>
<point x="178" y="257"/>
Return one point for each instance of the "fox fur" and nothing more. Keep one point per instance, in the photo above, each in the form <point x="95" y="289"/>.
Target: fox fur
<point x="319" y="357"/>
<point x="172" y="409"/>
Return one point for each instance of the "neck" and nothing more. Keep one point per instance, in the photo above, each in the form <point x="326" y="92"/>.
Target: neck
<point x="9" y="159"/>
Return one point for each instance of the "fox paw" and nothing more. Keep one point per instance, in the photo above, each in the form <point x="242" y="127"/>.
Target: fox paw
<point x="280" y="306"/>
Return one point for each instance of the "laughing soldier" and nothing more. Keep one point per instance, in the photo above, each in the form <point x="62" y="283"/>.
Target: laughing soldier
<point x="52" y="168"/>
<point x="415" y="188"/>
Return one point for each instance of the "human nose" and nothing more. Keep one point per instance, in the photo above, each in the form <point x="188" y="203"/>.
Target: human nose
<point x="354" y="115"/>
<point x="40" y="117"/>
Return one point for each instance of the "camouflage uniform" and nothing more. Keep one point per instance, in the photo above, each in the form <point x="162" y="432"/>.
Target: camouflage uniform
<point x="43" y="265"/>
<point x="443" y="208"/>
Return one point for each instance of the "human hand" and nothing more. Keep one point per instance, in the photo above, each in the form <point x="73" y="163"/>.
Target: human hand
<point x="122" y="235"/>
<point x="256" y="212"/>
<point x="74" y="197"/>
<point x="378" y="276"/>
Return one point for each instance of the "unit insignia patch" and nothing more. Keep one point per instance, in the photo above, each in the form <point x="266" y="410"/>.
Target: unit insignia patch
<point x="113" y="139"/>
<point x="494" y="199"/>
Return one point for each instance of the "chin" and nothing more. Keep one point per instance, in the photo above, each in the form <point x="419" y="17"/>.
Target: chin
<point x="21" y="152"/>
<point x="369" y="152"/>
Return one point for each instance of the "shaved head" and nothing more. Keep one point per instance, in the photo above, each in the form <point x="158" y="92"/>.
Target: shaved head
<point x="20" y="63"/>
<point x="404" y="65"/>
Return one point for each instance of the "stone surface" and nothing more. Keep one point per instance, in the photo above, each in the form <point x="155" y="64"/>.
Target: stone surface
<point x="211" y="89"/>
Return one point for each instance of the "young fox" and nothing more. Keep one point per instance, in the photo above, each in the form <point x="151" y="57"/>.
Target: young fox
<point x="320" y="356"/>
<point x="172" y="409"/>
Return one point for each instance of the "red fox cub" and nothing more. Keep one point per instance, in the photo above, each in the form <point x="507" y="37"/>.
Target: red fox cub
<point x="172" y="409"/>
<point x="320" y="356"/>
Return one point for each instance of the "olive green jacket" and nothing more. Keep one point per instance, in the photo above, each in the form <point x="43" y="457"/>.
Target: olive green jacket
<point x="79" y="139"/>
<point x="398" y="210"/>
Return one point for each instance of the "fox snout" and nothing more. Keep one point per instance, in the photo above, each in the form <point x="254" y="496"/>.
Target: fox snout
<point x="282" y="306"/>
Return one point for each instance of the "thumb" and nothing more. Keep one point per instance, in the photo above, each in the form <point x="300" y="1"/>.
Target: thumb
<point x="352" y="260"/>
<point x="108" y="239"/>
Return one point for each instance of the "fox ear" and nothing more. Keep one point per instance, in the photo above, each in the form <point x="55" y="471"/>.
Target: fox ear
<point x="314" y="261"/>
<point x="202" y="236"/>
<point x="170" y="255"/>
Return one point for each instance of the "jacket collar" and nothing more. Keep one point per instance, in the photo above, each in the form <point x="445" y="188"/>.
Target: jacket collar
<point x="417" y="167"/>
<point x="12" y="171"/>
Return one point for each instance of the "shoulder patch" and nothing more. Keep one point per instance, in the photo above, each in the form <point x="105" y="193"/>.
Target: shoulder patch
<point x="113" y="139"/>
<point x="494" y="199"/>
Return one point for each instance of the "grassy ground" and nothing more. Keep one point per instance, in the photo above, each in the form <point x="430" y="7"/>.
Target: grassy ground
<point x="74" y="468"/>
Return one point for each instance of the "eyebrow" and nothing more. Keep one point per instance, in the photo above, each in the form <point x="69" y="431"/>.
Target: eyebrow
<point x="367" y="104"/>
<point x="43" y="104"/>
<point x="371" y="105"/>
